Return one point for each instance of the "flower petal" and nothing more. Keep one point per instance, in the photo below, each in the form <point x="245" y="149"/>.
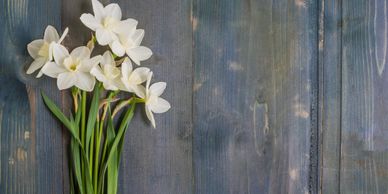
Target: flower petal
<point x="34" y="47"/>
<point x="138" y="54"/>
<point x="119" y="84"/>
<point x="36" y="64"/>
<point x="63" y="35"/>
<point x="150" y="116"/>
<point x="85" y="81"/>
<point x="60" y="53"/>
<point x="138" y="36"/>
<point x="139" y="90"/>
<point x="107" y="58"/>
<point x="158" y="88"/>
<point x="160" y="106"/>
<point x="52" y="69"/>
<point x="51" y="34"/>
<point x="80" y="53"/>
<point x="88" y="64"/>
<point x="148" y="83"/>
<point x="117" y="48"/>
<point x="66" y="80"/>
<point x="109" y="85"/>
<point x="126" y="70"/>
<point x="104" y="37"/>
<point x="126" y="27"/>
<point x="98" y="10"/>
<point x="139" y="75"/>
<point x="39" y="74"/>
<point x="113" y="10"/>
<point x="97" y="72"/>
<point x="90" y="21"/>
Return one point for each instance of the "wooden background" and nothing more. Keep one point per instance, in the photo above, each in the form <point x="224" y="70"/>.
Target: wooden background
<point x="268" y="96"/>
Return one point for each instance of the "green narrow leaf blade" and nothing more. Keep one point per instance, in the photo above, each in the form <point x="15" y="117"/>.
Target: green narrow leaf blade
<point x="123" y="126"/>
<point x="112" y="170"/>
<point x="92" y="117"/>
<point x="60" y="116"/>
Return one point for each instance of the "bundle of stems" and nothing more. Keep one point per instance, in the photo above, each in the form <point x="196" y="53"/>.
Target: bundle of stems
<point x="96" y="142"/>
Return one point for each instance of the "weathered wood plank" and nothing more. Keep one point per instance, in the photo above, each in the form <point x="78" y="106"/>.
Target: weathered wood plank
<point x="31" y="148"/>
<point x="364" y="107"/>
<point x="254" y="96"/>
<point x="160" y="160"/>
<point x="330" y="96"/>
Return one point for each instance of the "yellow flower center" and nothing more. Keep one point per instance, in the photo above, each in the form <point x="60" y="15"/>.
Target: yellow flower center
<point x="107" y="22"/>
<point x="44" y="50"/>
<point x="71" y="64"/>
<point x="73" y="67"/>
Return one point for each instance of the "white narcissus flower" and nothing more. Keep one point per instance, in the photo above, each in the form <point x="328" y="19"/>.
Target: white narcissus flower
<point x="72" y="69"/>
<point x="154" y="103"/>
<point x="108" y="73"/>
<point x="133" y="78"/>
<point x="41" y="50"/>
<point x="129" y="43"/>
<point x="106" y="22"/>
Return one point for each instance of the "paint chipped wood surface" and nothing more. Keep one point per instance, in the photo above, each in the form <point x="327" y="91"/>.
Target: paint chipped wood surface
<point x="268" y="96"/>
<point x="253" y="62"/>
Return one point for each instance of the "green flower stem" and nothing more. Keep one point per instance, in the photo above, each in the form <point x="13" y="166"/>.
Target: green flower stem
<point x="121" y="131"/>
<point x="91" y="152"/>
<point x="98" y="140"/>
<point x="96" y="156"/>
<point x="83" y="121"/>
<point x="106" y="143"/>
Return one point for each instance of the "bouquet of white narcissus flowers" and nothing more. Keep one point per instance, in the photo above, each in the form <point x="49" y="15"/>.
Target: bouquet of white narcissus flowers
<point x="96" y="142"/>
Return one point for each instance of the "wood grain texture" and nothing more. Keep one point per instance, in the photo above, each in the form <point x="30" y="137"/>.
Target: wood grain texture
<point x="254" y="95"/>
<point x="330" y="96"/>
<point x="364" y="107"/>
<point x="31" y="148"/>
<point x="160" y="160"/>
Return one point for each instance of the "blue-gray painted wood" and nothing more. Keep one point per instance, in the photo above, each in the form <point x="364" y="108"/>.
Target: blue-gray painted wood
<point x="31" y="140"/>
<point x="364" y="106"/>
<point x="330" y="96"/>
<point x="255" y="66"/>
<point x="160" y="160"/>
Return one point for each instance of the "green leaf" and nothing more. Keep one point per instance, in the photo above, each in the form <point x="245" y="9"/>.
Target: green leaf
<point x="112" y="170"/>
<point x="83" y="162"/>
<point x="76" y="163"/>
<point x="71" y="176"/>
<point x="58" y="113"/>
<point x="112" y="148"/>
<point x="92" y="117"/>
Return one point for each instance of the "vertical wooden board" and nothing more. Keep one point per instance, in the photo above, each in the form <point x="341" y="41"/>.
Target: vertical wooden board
<point x="160" y="160"/>
<point x="330" y="96"/>
<point x="364" y="137"/>
<point x="255" y="92"/>
<point x="31" y="140"/>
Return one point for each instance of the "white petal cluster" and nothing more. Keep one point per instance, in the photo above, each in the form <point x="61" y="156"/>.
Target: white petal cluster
<point x="108" y="73"/>
<point x="153" y="102"/>
<point x="72" y="69"/>
<point x="121" y="35"/>
<point x="79" y="69"/>
<point x="41" y="50"/>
